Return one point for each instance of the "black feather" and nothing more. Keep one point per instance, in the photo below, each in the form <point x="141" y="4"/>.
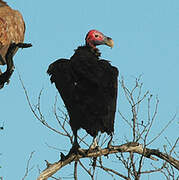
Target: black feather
<point x="88" y="87"/>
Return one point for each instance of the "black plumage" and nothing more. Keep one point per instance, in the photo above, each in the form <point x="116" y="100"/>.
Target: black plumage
<point x="88" y="87"/>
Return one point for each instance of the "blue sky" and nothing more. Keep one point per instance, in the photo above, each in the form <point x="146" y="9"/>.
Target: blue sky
<point x="146" y="40"/>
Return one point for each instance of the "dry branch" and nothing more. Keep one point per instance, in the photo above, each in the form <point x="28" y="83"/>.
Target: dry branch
<point x="140" y="133"/>
<point x="28" y="169"/>
<point x="128" y="147"/>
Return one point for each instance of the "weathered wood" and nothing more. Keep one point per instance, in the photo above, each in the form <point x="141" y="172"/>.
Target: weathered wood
<point x="128" y="147"/>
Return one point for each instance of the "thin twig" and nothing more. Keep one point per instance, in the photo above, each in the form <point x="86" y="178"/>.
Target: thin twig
<point x="89" y="173"/>
<point x="173" y="147"/>
<point x="75" y="170"/>
<point x="125" y="119"/>
<point x="113" y="171"/>
<point x="162" y="130"/>
<point x="27" y="167"/>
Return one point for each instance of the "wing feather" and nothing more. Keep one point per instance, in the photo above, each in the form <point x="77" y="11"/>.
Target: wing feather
<point x="88" y="87"/>
<point x="12" y="29"/>
<point x="96" y="94"/>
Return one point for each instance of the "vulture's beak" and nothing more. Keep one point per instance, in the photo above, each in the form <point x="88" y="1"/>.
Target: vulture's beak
<point x="109" y="42"/>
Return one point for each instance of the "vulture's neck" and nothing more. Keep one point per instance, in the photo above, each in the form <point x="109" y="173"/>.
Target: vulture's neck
<point x="87" y="51"/>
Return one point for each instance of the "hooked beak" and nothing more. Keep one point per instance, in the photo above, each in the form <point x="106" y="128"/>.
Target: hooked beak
<point x="109" y="42"/>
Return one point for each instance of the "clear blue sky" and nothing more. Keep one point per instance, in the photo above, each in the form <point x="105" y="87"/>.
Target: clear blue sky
<point x="146" y="42"/>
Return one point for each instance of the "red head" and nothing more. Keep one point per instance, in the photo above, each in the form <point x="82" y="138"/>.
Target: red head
<point x="94" y="38"/>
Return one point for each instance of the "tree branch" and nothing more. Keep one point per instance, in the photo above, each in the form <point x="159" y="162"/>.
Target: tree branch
<point x="128" y="147"/>
<point x="27" y="168"/>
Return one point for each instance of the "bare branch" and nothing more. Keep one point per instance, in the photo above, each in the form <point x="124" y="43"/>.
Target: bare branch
<point x="140" y="133"/>
<point x="128" y="147"/>
<point x="162" y="130"/>
<point x="125" y="119"/>
<point x="55" y="148"/>
<point x="113" y="171"/>
<point x="88" y="171"/>
<point x="27" y="168"/>
<point x="75" y="170"/>
<point x="173" y="147"/>
<point x="154" y="170"/>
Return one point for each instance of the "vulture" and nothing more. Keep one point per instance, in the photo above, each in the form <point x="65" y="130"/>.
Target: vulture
<point x="12" y="29"/>
<point x="88" y="87"/>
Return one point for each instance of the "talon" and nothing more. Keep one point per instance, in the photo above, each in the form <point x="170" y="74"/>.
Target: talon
<point x="109" y="146"/>
<point x="76" y="150"/>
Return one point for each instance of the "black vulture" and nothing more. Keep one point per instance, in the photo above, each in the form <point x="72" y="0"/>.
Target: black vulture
<point x="12" y="29"/>
<point x="88" y="86"/>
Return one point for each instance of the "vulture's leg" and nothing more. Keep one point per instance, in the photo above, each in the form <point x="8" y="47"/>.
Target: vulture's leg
<point x="75" y="146"/>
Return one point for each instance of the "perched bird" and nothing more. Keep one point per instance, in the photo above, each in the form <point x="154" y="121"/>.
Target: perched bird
<point x="12" y="29"/>
<point x="88" y="87"/>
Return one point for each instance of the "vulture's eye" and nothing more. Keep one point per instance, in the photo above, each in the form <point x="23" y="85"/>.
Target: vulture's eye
<point x="96" y="35"/>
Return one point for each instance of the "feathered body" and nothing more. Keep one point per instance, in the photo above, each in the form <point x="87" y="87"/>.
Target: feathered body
<point x="12" y="29"/>
<point x="88" y="87"/>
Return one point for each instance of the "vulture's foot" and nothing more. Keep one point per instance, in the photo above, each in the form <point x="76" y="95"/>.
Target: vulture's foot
<point x="75" y="147"/>
<point x="94" y="149"/>
<point x="76" y="150"/>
